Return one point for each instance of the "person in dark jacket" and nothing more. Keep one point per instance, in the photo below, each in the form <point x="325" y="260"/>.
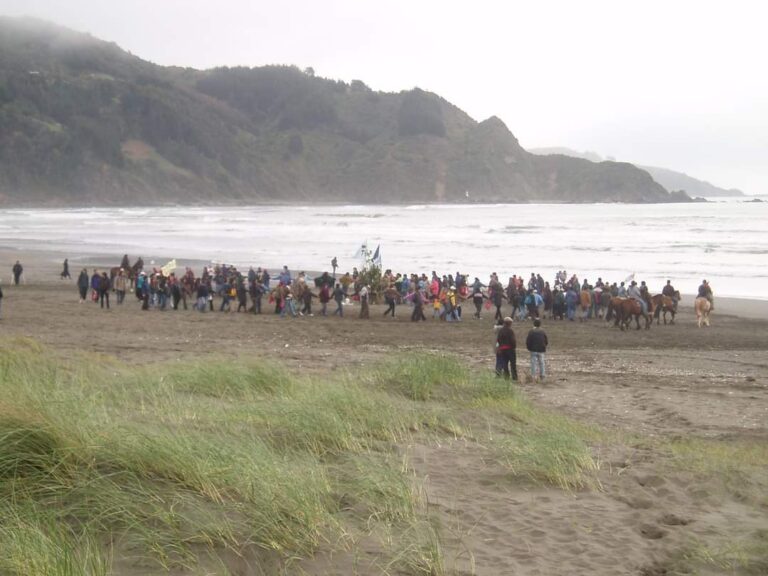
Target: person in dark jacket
<point x="65" y="271"/>
<point x="18" y="270"/>
<point x="338" y="296"/>
<point x="82" y="285"/>
<point x="95" y="284"/>
<point x="537" y="343"/>
<point x="104" y="287"/>
<point x="506" y="350"/>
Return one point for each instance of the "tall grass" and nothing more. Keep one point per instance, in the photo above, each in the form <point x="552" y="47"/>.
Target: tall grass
<point x="163" y="461"/>
<point x="103" y="465"/>
<point x="419" y="376"/>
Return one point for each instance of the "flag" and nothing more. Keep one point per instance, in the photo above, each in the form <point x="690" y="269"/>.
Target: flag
<point x="630" y="277"/>
<point x="168" y="268"/>
<point x="377" y="255"/>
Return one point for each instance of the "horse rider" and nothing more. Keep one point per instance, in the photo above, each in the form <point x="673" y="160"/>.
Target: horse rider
<point x="635" y="293"/>
<point x="705" y="291"/>
<point x="670" y="292"/>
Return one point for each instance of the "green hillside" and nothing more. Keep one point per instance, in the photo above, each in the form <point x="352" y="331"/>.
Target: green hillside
<point x="83" y="122"/>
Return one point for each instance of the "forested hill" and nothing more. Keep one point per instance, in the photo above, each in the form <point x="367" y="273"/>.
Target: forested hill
<point x="83" y="122"/>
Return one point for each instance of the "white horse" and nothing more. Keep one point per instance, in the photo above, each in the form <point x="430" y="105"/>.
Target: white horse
<point x="702" y="307"/>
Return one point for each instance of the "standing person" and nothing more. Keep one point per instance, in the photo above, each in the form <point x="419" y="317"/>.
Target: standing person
<point x="82" y="285"/>
<point x="338" y="296"/>
<point x="121" y="283"/>
<point x="95" y="283"/>
<point x="506" y="350"/>
<point x="65" y="271"/>
<point x="477" y="297"/>
<point x="289" y="306"/>
<point x="364" y="313"/>
<point x="324" y="297"/>
<point x="18" y="270"/>
<point x="334" y="265"/>
<point x="104" y="286"/>
<point x="537" y="343"/>
<point x="202" y="296"/>
<point x="1" y="300"/>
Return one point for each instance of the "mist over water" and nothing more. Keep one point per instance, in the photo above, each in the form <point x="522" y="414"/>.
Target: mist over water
<point x="724" y="242"/>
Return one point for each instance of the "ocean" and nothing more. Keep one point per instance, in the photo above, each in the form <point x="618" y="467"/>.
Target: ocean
<point x="725" y="242"/>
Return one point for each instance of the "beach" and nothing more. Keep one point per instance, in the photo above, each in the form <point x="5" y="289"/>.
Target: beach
<point x="668" y="383"/>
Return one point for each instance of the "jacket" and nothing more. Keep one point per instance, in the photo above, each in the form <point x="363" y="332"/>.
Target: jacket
<point x="537" y="341"/>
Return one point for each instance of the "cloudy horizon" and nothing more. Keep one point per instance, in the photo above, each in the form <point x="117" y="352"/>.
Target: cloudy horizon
<point x="676" y="85"/>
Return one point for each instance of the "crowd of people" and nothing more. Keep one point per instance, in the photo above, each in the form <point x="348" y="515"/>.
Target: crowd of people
<point x="227" y="289"/>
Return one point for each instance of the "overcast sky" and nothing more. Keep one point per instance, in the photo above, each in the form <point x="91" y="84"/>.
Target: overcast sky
<point x="680" y="84"/>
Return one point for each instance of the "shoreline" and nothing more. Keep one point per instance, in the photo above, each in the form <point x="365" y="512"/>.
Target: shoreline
<point x="44" y="267"/>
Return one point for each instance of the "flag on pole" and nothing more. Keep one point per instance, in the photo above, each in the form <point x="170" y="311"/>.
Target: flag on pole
<point x="630" y="277"/>
<point x="377" y="255"/>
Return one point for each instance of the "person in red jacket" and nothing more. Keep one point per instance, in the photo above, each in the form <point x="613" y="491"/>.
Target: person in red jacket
<point x="506" y="350"/>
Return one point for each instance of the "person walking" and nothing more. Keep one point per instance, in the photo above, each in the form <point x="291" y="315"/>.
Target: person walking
<point x="418" y="305"/>
<point x="18" y="270"/>
<point x="82" y="285"/>
<point x="506" y="350"/>
<point x="104" y="288"/>
<point x="537" y="343"/>
<point x="1" y="301"/>
<point x="390" y="297"/>
<point x="65" y="271"/>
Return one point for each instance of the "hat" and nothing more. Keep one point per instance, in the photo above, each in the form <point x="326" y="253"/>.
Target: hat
<point x="507" y="320"/>
<point x="453" y="287"/>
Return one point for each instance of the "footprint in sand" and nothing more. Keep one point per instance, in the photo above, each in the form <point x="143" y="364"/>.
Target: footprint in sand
<point x="674" y="520"/>
<point x="652" y="532"/>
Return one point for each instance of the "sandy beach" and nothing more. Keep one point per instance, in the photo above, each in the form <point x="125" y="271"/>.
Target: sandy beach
<point x="670" y="382"/>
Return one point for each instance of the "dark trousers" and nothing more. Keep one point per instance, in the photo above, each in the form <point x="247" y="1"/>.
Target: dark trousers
<point x="418" y="313"/>
<point x="478" y="302"/>
<point x="104" y="295"/>
<point x="391" y="309"/>
<point x="506" y="363"/>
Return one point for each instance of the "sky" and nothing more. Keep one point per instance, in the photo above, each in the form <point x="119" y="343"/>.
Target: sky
<point x="679" y="84"/>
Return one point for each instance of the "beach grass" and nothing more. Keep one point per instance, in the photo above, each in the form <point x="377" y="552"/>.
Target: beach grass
<point x="104" y="465"/>
<point x="164" y="462"/>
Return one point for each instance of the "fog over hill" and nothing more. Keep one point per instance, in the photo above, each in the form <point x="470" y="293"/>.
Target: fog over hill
<point x="83" y="122"/>
<point x="670" y="179"/>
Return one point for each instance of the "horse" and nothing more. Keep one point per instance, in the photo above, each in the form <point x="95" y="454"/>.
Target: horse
<point x="702" y="306"/>
<point x="624" y="310"/>
<point x="662" y="303"/>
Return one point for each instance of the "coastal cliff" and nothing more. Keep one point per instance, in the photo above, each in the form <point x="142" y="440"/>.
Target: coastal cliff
<point x="83" y="122"/>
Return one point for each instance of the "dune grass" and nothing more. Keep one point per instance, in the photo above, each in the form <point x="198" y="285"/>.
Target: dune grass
<point x="159" y="466"/>
<point x="164" y="462"/>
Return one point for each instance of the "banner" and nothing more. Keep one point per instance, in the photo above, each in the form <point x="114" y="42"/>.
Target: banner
<point x="168" y="268"/>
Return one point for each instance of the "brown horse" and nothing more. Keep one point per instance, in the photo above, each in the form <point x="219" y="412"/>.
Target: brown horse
<point x="624" y="309"/>
<point x="702" y="306"/>
<point x="662" y="303"/>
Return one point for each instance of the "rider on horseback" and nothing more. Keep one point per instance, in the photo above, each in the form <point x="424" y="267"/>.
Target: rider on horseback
<point x="635" y="293"/>
<point x="670" y="292"/>
<point x="705" y="291"/>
